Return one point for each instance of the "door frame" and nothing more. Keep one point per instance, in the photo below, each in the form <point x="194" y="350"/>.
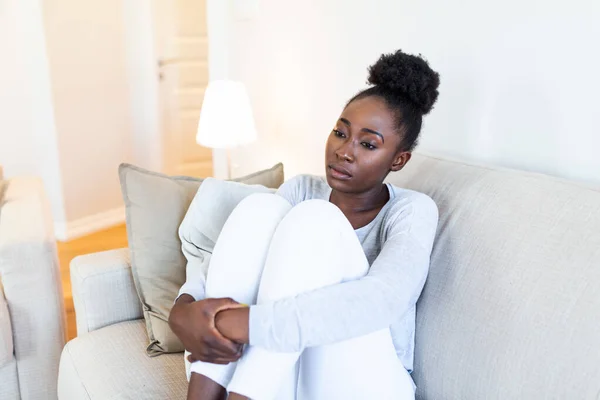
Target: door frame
<point x="144" y="52"/>
<point x="142" y="71"/>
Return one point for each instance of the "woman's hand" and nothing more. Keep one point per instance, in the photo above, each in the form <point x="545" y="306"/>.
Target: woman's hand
<point x="194" y="324"/>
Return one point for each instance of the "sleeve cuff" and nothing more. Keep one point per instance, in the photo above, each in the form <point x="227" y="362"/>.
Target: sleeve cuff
<point x="196" y="290"/>
<point x="260" y="325"/>
<point x="264" y="330"/>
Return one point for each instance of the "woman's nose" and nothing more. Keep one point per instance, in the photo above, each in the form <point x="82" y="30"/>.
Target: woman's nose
<point x="345" y="153"/>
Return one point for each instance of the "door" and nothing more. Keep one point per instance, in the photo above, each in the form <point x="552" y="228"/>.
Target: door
<point x="182" y="48"/>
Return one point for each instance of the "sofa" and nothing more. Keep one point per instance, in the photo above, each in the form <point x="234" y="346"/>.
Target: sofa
<point x="32" y="317"/>
<point x="510" y="310"/>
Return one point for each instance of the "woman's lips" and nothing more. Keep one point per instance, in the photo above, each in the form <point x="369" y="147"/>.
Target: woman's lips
<point x="339" y="173"/>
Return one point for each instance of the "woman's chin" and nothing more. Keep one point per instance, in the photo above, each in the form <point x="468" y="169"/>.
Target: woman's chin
<point x="339" y="185"/>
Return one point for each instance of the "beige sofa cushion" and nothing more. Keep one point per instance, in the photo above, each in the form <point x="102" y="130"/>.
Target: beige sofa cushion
<point x="511" y="306"/>
<point x="155" y="207"/>
<point x="111" y="363"/>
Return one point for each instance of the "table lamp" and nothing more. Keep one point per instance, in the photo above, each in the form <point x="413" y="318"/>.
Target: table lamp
<point x="226" y="119"/>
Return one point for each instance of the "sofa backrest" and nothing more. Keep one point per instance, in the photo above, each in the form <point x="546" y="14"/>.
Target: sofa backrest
<point x="511" y="308"/>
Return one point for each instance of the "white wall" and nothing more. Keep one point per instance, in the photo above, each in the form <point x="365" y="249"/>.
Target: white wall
<point x="17" y="145"/>
<point x="519" y="78"/>
<point x="65" y="111"/>
<point x="89" y="73"/>
<point x="27" y="129"/>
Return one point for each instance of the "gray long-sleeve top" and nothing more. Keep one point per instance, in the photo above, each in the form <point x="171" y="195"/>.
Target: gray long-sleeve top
<point x="397" y="243"/>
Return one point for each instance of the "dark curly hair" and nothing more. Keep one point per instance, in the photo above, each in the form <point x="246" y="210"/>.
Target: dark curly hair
<point x="409" y="87"/>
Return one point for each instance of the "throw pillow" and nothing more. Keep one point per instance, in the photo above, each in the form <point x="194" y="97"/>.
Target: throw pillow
<point x="155" y="206"/>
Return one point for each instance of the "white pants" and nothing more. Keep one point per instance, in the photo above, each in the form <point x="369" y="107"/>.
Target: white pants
<point x="268" y="250"/>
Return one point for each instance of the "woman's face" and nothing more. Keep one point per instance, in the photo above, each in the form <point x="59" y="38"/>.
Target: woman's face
<point x="363" y="147"/>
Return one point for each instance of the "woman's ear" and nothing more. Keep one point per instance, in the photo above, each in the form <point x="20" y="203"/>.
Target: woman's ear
<point x="400" y="160"/>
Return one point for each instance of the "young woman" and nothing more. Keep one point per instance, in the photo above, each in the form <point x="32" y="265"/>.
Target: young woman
<point x="335" y="266"/>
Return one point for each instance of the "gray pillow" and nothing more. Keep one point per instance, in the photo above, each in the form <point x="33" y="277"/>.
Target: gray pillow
<point x="155" y="205"/>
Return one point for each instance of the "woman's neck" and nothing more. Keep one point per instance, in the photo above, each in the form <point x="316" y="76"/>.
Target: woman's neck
<point x="357" y="203"/>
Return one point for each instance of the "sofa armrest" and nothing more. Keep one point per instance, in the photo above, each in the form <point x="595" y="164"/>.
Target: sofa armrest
<point x="32" y="287"/>
<point x="103" y="290"/>
<point x="7" y="348"/>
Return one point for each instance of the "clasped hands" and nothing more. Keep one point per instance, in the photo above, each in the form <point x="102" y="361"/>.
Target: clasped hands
<point x="212" y="330"/>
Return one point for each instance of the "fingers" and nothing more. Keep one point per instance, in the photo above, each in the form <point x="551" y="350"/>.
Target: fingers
<point x="228" y="304"/>
<point x="220" y="343"/>
<point x="205" y="353"/>
<point x="225" y="303"/>
<point x="215" y="353"/>
<point x="214" y="346"/>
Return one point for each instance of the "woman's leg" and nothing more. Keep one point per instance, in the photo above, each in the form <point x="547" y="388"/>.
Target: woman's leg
<point x="361" y="368"/>
<point x="237" y="263"/>
<point x="315" y="246"/>
<point x="201" y="387"/>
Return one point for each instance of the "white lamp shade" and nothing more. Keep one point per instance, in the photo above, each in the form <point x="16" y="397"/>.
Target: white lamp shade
<point x="226" y="116"/>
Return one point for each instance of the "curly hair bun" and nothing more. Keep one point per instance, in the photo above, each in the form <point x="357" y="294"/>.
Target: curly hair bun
<point x="408" y="76"/>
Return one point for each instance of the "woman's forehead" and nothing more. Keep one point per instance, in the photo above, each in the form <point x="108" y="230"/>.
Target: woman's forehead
<point x="370" y="112"/>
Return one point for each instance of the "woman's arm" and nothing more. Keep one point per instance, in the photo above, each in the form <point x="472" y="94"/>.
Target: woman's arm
<point x="355" y="308"/>
<point x="197" y="248"/>
<point x="194" y="324"/>
<point x="192" y="317"/>
<point x="234" y="324"/>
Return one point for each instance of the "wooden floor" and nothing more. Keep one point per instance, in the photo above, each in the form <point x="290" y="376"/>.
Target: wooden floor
<point x="113" y="238"/>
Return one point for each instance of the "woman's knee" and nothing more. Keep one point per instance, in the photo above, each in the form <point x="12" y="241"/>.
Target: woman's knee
<point x="257" y="209"/>
<point x="313" y="246"/>
<point x="241" y="249"/>
<point x="319" y="216"/>
<point x="263" y="203"/>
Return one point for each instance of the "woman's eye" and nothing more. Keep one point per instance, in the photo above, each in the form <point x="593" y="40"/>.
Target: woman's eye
<point x="369" y="146"/>
<point x="338" y="133"/>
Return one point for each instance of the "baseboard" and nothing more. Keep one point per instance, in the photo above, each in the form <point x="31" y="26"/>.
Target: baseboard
<point x="70" y="230"/>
